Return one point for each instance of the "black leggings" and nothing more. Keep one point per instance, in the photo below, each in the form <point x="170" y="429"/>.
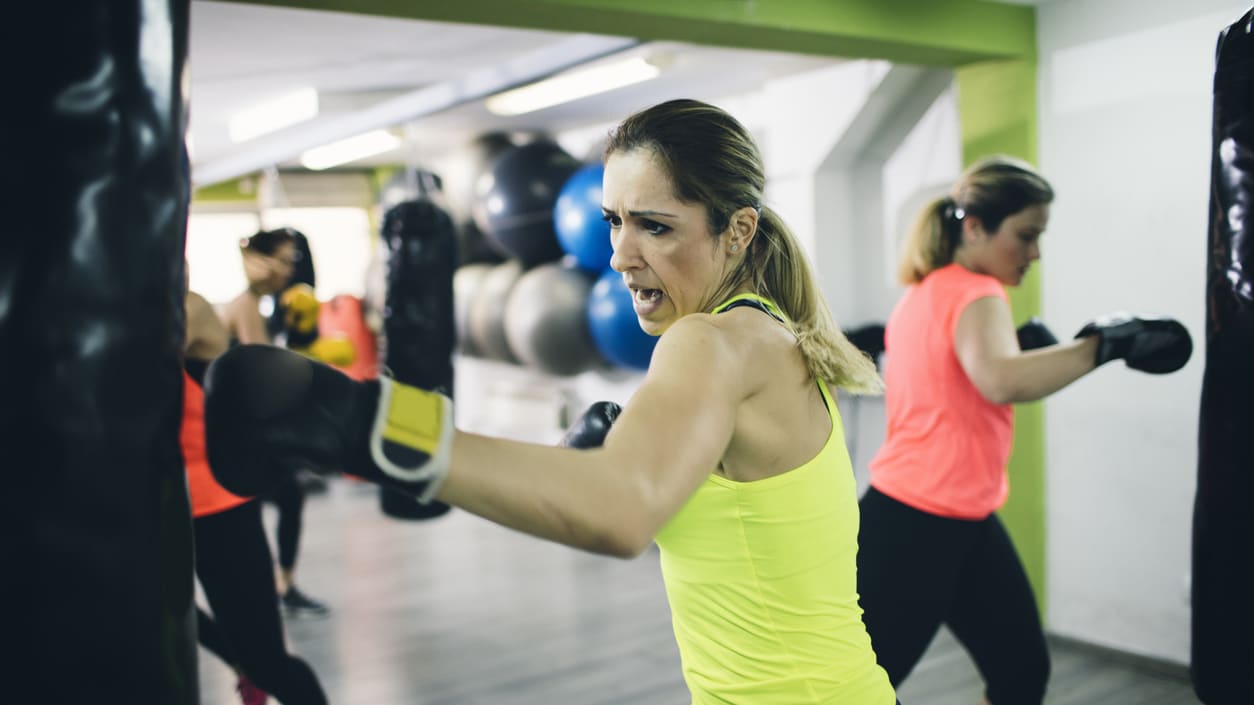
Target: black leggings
<point x="917" y="571"/>
<point x="289" y="498"/>
<point x="234" y="567"/>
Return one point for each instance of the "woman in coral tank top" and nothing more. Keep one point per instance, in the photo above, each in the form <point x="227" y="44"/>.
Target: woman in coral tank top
<point x="932" y="548"/>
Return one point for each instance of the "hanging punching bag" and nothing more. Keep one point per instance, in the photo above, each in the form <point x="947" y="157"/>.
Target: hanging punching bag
<point x="419" y="332"/>
<point x="1223" y="524"/>
<point x="95" y="527"/>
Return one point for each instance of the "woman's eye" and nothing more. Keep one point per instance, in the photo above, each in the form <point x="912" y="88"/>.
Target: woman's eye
<point x="612" y="219"/>
<point x="653" y="227"/>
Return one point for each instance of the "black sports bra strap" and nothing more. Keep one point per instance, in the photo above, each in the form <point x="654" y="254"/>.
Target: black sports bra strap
<point x="752" y="303"/>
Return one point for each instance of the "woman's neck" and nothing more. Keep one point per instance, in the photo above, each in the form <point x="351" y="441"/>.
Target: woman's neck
<point x="963" y="259"/>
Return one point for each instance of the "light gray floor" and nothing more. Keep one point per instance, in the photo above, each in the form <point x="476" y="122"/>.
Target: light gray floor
<point x="457" y="610"/>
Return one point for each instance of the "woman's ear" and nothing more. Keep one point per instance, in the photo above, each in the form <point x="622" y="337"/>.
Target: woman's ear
<point x="972" y="229"/>
<point x="744" y="227"/>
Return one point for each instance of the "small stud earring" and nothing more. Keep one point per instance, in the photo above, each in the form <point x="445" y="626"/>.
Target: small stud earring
<point x="735" y="248"/>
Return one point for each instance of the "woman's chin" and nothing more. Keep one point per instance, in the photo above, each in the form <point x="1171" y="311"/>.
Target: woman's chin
<point x="654" y="328"/>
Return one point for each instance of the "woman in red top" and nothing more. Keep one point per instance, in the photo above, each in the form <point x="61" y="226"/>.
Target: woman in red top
<point x="233" y="561"/>
<point x="932" y="548"/>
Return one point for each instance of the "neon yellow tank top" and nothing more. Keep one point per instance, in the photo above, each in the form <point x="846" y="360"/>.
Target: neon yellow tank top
<point x="761" y="579"/>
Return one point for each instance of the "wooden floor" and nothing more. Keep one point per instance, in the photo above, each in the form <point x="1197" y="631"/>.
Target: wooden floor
<point x="457" y="610"/>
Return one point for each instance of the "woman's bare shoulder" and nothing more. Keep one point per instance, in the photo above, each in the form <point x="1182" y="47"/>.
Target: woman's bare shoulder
<point x="206" y="334"/>
<point x="745" y="340"/>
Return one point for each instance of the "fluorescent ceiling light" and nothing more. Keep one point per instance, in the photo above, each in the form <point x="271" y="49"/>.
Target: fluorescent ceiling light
<point x="572" y="85"/>
<point x="351" y="149"/>
<point x="273" y="115"/>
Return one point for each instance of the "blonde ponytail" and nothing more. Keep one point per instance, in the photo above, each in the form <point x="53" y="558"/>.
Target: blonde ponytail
<point x="776" y="268"/>
<point x="930" y="242"/>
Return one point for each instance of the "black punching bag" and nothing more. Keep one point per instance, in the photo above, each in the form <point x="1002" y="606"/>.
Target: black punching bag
<point x="419" y="332"/>
<point x="94" y="518"/>
<point x="1223" y="523"/>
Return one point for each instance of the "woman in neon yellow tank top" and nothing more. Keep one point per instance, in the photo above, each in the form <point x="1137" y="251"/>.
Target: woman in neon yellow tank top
<point x="758" y="555"/>
<point x="730" y="453"/>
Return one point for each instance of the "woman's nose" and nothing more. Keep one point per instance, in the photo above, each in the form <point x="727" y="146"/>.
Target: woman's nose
<point x="625" y="257"/>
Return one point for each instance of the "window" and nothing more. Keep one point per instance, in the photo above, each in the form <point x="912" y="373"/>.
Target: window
<point x="339" y="239"/>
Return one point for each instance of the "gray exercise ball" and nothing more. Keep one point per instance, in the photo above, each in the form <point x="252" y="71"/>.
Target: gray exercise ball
<point x="546" y="320"/>
<point x="487" y="311"/>
<point x="467" y="281"/>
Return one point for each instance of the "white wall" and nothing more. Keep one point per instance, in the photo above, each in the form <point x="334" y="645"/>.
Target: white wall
<point x="1125" y="106"/>
<point x="889" y="134"/>
<point x="339" y="241"/>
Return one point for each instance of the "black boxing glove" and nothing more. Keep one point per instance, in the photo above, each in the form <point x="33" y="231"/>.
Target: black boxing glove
<point x="271" y="411"/>
<point x="869" y="339"/>
<point x="1033" y="334"/>
<point x="1154" y="344"/>
<point x="590" y="430"/>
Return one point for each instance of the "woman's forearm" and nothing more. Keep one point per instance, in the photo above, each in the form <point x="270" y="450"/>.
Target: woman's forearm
<point x="1034" y="375"/>
<point x="578" y="498"/>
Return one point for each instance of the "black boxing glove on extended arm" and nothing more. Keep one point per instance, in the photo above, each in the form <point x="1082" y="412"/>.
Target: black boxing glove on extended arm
<point x="1153" y="344"/>
<point x="271" y="411"/>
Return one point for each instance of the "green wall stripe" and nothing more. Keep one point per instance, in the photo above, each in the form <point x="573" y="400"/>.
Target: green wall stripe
<point x="941" y="33"/>
<point x="243" y="189"/>
<point x="998" y="113"/>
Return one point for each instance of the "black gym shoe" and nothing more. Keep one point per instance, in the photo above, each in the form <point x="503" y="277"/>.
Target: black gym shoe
<point x="311" y="482"/>
<point x="297" y="604"/>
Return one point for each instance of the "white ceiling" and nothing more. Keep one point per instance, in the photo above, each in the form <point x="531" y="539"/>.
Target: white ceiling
<point x="362" y="66"/>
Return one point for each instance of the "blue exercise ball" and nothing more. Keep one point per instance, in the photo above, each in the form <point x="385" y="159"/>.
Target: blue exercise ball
<point x="579" y="220"/>
<point x="614" y="326"/>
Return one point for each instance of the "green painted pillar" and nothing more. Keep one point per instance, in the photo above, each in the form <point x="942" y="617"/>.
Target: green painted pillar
<point x="998" y="113"/>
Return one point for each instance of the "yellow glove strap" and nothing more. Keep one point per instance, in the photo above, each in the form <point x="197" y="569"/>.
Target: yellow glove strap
<point x="417" y="426"/>
<point x="414" y="418"/>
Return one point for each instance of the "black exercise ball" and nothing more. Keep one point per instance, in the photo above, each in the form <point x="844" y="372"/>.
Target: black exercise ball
<point x="514" y="200"/>
<point x="461" y="171"/>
